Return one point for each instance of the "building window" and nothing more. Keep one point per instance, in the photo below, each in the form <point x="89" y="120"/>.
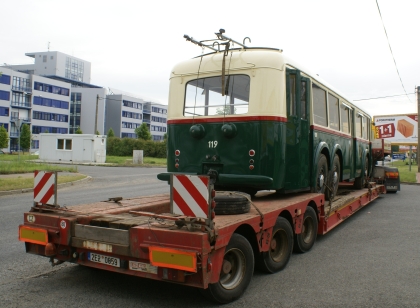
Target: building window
<point x="64" y="144"/>
<point x="4" y="95"/>
<point x="4" y="111"/>
<point x="51" y="89"/>
<point x="5" y="79"/>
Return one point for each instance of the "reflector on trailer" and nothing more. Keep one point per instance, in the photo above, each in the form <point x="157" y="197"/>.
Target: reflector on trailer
<point x="33" y="235"/>
<point x="173" y="258"/>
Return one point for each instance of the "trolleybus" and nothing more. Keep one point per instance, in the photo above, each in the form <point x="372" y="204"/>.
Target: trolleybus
<point x="254" y="120"/>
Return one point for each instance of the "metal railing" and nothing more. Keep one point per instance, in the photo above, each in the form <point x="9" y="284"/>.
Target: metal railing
<point x="21" y="104"/>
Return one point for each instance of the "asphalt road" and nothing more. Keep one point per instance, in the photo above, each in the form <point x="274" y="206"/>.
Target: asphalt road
<point x="370" y="260"/>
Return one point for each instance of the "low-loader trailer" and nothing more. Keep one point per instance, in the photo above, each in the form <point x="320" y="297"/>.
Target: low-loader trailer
<point x="143" y="237"/>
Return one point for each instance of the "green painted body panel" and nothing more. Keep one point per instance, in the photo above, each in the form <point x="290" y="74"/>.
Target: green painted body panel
<point x="231" y="154"/>
<point x="351" y="152"/>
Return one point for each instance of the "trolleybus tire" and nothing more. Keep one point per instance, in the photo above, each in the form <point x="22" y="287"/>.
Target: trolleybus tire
<point x="321" y="174"/>
<point x="334" y="179"/>
<point x="304" y="241"/>
<point x="236" y="273"/>
<point x="230" y="203"/>
<point x="360" y="182"/>
<point x="280" y="250"/>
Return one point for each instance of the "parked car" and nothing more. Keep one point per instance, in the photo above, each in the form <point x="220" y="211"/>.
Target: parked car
<point x="1" y="152"/>
<point x="388" y="158"/>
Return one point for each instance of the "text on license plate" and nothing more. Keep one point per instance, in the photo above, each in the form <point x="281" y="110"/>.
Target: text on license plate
<point x="94" y="257"/>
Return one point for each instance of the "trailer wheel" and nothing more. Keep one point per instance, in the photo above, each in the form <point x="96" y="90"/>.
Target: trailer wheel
<point x="305" y="240"/>
<point x="281" y="247"/>
<point x="334" y="179"/>
<point x="236" y="273"/>
<point x="360" y="182"/>
<point x="321" y="174"/>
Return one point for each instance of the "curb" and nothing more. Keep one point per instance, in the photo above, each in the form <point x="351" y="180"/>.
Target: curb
<point x="25" y="190"/>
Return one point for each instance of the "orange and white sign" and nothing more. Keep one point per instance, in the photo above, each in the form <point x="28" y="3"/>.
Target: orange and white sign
<point x="190" y="195"/>
<point x="45" y="184"/>
<point x="399" y="128"/>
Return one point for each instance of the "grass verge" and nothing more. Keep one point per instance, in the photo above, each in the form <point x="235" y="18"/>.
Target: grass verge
<point x="28" y="182"/>
<point x="128" y="161"/>
<point x="11" y="167"/>
<point x="405" y="175"/>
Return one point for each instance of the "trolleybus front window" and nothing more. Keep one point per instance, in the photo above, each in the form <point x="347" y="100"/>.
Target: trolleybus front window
<point x="203" y="97"/>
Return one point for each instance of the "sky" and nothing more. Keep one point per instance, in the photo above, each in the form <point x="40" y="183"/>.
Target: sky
<point x="133" y="45"/>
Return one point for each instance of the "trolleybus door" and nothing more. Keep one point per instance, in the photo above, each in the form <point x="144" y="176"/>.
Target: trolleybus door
<point x="297" y="133"/>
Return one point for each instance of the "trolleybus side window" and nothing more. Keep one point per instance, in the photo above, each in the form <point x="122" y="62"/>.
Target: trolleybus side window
<point x="292" y="94"/>
<point x="358" y="125"/>
<point x="333" y="116"/>
<point x="203" y="97"/>
<point x="319" y="105"/>
<point x="303" y="99"/>
<point x="364" y="128"/>
<point x="345" y="118"/>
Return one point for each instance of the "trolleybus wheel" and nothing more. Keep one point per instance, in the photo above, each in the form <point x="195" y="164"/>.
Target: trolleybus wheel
<point x="321" y="174"/>
<point x="335" y="178"/>
<point x="281" y="246"/>
<point x="236" y="273"/>
<point x="360" y="182"/>
<point x="306" y="239"/>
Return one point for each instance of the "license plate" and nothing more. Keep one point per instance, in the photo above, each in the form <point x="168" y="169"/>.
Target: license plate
<point x="94" y="257"/>
<point x="392" y="187"/>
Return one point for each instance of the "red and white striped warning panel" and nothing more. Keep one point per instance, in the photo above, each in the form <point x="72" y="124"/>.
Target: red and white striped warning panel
<point x="190" y="195"/>
<point x="44" y="187"/>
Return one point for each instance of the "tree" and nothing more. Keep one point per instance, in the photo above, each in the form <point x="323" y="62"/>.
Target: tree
<point x="110" y="133"/>
<point x="165" y="137"/>
<point x="4" y="137"/>
<point x="25" y="137"/>
<point x="225" y="110"/>
<point x="142" y="132"/>
<point x="78" y="130"/>
<point x="97" y="132"/>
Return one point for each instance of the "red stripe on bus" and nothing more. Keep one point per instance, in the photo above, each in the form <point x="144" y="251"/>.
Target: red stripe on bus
<point x="194" y="192"/>
<point x="330" y="131"/>
<point x="183" y="206"/>
<point x="228" y="119"/>
<point x="41" y="183"/>
<point x="47" y="195"/>
<point x="361" y="140"/>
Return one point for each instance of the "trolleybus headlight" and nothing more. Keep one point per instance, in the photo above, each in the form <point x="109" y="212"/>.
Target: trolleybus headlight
<point x="229" y="130"/>
<point x="197" y="131"/>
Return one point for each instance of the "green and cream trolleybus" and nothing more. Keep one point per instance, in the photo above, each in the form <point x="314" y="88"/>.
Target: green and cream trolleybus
<point x="254" y="120"/>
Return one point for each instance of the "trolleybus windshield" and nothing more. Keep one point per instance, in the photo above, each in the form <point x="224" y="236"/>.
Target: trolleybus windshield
<point x="203" y="97"/>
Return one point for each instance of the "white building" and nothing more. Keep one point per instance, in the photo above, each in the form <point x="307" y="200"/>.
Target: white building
<point x="40" y="102"/>
<point x="72" y="148"/>
<point x="54" y="95"/>
<point x="125" y="113"/>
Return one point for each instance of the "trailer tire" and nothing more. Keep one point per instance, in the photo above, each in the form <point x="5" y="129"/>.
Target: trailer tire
<point x="281" y="247"/>
<point x="306" y="239"/>
<point x="236" y="273"/>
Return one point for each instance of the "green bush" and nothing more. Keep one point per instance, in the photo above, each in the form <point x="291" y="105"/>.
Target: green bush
<point x="124" y="147"/>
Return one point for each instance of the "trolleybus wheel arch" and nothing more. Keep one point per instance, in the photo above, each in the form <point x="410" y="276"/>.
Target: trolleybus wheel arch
<point x="304" y="241"/>
<point x="236" y="273"/>
<point x="281" y="247"/>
